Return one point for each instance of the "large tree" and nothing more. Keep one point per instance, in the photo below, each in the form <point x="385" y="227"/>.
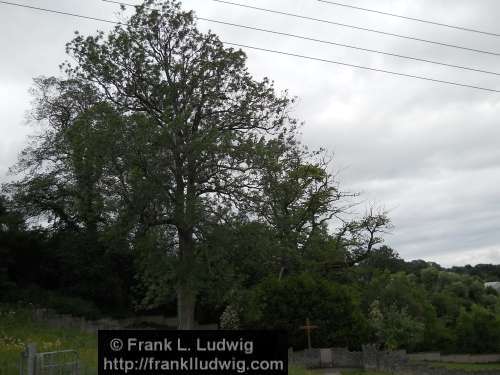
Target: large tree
<point x="158" y="133"/>
<point x="192" y="115"/>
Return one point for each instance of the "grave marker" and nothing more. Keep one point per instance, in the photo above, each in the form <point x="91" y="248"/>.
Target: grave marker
<point x="308" y="328"/>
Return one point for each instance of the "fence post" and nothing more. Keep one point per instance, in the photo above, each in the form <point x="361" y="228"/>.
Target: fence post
<point x="31" y="359"/>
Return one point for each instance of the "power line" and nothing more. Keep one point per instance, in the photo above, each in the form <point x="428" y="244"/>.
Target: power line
<point x="362" y="67"/>
<point x="348" y="46"/>
<point x="410" y="18"/>
<point x="358" y="27"/>
<point x="328" y="42"/>
<point x="271" y="51"/>
<point x="59" y="12"/>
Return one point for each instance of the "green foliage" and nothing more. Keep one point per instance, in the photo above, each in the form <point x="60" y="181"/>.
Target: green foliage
<point x="297" y="197"/>
<point x="63" y="304"/>
<point x="359" y="238"/>
<point x="384" y="258"/>
<point x="155" y="127"/>
<point x="478" y="330"/>
<point x="16" y="246"/>
<point x="156" y="132"/>
<point x="155" y="274"/>
<point x="167" y="174"/>
<point x="60" y="270"/>
<point x="486" y="272"/>
<point x="395" y="328"/>
<point x="73" y="305"/>
<point x="403" y="302"/>
<point x="287" y="303"/>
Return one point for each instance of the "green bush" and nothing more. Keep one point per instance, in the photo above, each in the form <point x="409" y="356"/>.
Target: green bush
<point x="287" y="303"/>
<point x="74" y="306"/>
<point x="478" y="330"/>
<point x="49" y="299"/>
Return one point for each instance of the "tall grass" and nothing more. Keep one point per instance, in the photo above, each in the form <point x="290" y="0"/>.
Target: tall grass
<point x="17" y="329"/>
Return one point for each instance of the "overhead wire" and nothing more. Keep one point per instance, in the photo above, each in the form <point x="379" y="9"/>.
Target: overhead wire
<point x="321" y="20"/>
<point x="329" y="42"/>
<point x="362" y="67"/>
<point x="269" y="50"/>
<point x="462" y="28"/>
<point x="58" y="12"/>
<point x="348" y="46"/>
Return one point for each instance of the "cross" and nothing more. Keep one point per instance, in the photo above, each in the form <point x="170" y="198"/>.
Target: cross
<point x="308" y="328"/>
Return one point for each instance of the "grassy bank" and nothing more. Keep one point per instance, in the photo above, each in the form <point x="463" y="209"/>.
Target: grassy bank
<point x="297" y="370"/>
<point x="362" y="372"/>
<point x="18" y="329"/>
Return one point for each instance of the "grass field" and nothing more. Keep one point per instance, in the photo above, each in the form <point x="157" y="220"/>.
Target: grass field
<point x="17" y="329"/>
<point x="361" y="372"/>
<point x="296" y="370"/>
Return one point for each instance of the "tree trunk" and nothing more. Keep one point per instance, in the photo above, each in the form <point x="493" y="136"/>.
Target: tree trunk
<point x="186" y="303"/>
<point x="186" y="292"/>
<point x="282" y="270"/>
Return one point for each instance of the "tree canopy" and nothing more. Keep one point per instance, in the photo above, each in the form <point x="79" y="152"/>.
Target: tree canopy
<point x="162" y="158"/>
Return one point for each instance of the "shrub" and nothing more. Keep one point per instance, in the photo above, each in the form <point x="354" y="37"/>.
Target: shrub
<point x="287" y="303"/>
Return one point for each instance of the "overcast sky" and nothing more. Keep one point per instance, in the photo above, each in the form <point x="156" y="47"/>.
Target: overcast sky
<point x="428" y="152"/>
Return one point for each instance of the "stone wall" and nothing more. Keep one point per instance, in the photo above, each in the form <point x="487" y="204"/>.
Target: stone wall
<point x="427" y="356"/>
<point x="394" y="362"/>
<point x="316" y="358"/>
<point x="398" y="363"/>
<point x="370" y="357"/>
<point x="455" y="358"/>
<point x="420" y="369"/>
<point x="307" y="358"/>
<point x="53" y="319"/>
<point x="342" y="357"/>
